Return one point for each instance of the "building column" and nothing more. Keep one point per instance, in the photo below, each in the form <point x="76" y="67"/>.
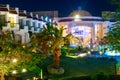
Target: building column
<point x="92" y="40"/>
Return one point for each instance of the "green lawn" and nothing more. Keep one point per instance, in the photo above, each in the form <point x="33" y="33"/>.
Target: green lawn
<point x="76" y="67"/>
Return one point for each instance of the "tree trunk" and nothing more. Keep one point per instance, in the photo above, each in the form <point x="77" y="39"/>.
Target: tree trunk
<point x="44" y="48"/>
<point x="56" y="63"/>
<point x="2" y="75"/>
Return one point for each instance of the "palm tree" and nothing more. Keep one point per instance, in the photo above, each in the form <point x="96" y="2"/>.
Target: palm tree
<point x="50" y="41"/>
<point x="70" y="38"/>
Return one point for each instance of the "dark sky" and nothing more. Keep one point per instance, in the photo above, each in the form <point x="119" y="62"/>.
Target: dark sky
<point x="63" y="6"/>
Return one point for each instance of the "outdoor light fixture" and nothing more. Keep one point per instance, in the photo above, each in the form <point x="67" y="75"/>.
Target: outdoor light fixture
<point x="14" y="72"/>
<point x="77" y="17"/>
<point x="50" y="20"/>
<point x="14" y="60"/>
<point x="24" y="70"/>
<point x="23" y="46"/>
<point x="35" y="78"/>
<point x="82" y="55"/>
<point x="100" y="52"/>
<point x="108" y="49"/>
<point x="89" y="52"/>
<point x="46" y="18"/>
<point x="91" y="49"/>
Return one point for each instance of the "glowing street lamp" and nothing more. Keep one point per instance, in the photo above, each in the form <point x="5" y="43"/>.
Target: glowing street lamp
<point x="14" y="60"/>
<point x="14" y="72"/>
<point x="89" y="52"/>
<point x="100" y="52"/>
<point x="24" y="70"/>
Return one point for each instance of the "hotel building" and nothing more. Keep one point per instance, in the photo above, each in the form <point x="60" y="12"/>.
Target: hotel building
<point x="79" y="23"/>
<point x="83" y="25"/>
<point x="20" y="22"/>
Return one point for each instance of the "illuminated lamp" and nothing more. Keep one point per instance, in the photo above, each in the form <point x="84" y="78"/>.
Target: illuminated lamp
<point x="89" y="52"/>
<point x="14" y="60"/>
<point x="77" y="17"/>
<point x="14" y="72"/>
<point x="46" y="18"/>
<point x="24" y="70"/>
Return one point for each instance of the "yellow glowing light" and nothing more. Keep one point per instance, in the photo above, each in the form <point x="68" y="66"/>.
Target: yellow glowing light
<point x="89" y="52"/>
<point x="14" y="60"/>
<point x="77" y="17"/>
<point x="82" y="55"/>
<point x="35" y="78"/>
<point x="23" y="46"/>
<point x="24" y="70"/>
<point x="100" y="52"/>
<point x="34" y="50"/>
<point x="14" y="72"/>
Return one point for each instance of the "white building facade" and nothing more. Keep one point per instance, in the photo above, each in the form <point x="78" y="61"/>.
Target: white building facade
<point x="20" y="22"/>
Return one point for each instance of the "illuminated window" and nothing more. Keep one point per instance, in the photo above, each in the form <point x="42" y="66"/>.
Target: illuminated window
<point x="12" y="23"/>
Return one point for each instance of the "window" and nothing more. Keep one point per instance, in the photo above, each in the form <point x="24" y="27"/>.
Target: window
<point x="27" y="23"/>
<point x="34" y="24"/>
<point x="21" y="23"/>
<point x="12" y="23"/>
<point x="35" y="28"/>
<point x="2" y="20"/>
<point x="39" y="25"/>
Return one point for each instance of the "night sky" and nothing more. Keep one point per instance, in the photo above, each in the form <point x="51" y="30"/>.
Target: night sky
<point x="65" y="7"/>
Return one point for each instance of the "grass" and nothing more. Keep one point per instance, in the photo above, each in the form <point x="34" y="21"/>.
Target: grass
<point x="76" y="67"/>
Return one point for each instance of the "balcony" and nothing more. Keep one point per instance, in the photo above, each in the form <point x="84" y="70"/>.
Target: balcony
<point x="13" y="25"/>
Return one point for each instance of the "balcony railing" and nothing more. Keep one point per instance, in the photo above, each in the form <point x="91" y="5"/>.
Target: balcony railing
<point x="13" y="25"/>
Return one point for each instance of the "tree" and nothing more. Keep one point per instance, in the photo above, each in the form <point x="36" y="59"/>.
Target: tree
<point x="5" y="54"/>
<point x="112" y="39"/>
<point x="70" y="38"/>
<point x="16" y="56"/>
<point x="50" y="41"/>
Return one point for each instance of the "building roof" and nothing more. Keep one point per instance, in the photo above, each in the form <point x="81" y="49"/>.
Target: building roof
<point x="68" y="19"/>
<point x="40" y="19"/>
<point x="34" y="18"/>
<point x="3" y="9"/>
<point x="50" y="14"/>
<point x="28" y="16"/>
<point x="22" y="14"/>
<point x="80" y="12"/>
<point x="13" y="12"/>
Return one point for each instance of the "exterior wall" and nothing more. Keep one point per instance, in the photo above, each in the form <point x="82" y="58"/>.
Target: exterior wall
<point x="15" y="25"/>
<point x="6" y="15"/>
<point x="20" y="34"/>
<point x="91" y="29"/>
<point x="50" y="14"/>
